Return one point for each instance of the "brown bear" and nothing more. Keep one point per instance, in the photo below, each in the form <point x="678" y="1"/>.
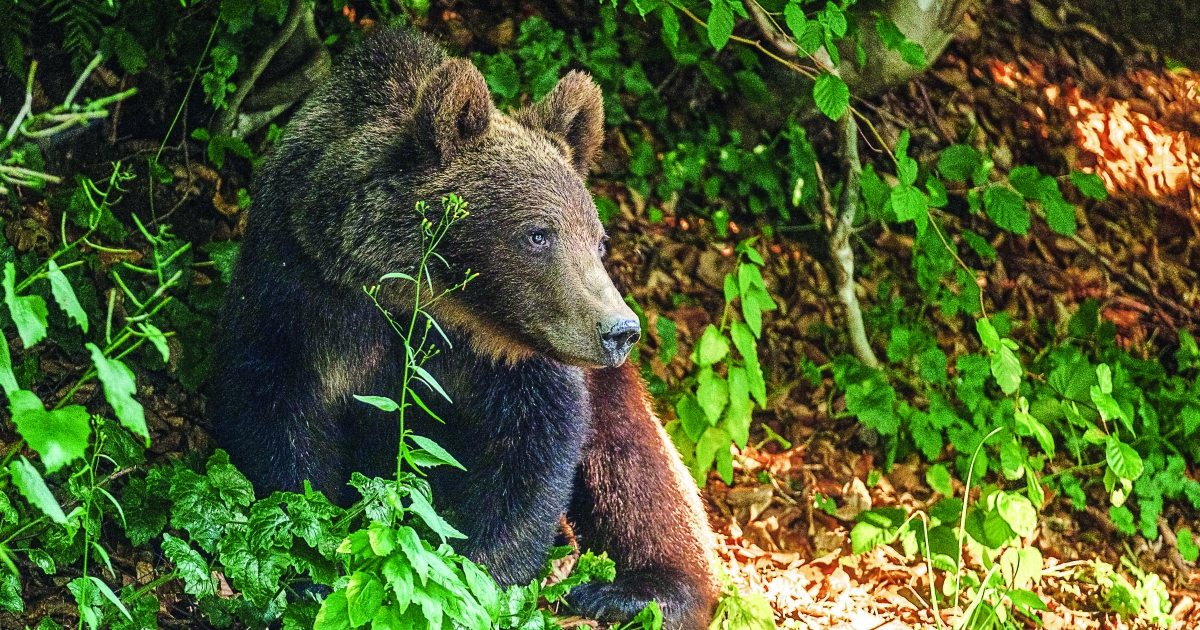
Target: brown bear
<point x="547" y="417"/>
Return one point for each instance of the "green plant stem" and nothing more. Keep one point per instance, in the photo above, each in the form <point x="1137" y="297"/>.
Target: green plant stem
<point x="962" y="525"/>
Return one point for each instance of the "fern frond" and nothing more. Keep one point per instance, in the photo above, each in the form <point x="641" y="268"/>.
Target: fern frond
<point x="81" y="25"/>
<point x="15" y="19"/>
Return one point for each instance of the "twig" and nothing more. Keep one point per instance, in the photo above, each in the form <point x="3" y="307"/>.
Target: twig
<point x="228" y="119"/>
<point x="771" y="32"/>
<point x="839" y="243"/>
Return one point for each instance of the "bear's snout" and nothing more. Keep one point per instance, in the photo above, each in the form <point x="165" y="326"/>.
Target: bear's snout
<point x="618" y="335"/>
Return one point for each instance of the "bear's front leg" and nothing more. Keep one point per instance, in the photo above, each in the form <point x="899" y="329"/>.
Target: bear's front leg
<point x="635" y="500"/>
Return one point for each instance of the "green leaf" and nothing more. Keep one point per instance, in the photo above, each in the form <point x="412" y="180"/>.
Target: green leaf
<point x="1028" y="425"/>
<point x="712" y="392"/>
<point x="1187" y="545"/>
<point x="832" y="18"/>
<point x="938" y="478"/>
<point x="382" y="402"/>
<point x="959" y="162"/>
<point x="333" y="614"/>
<point x="910" y="204"/>
<point x="1123" y="459"/>
<point x="29" y="481"/>
<point x="795" y="18"/>
<point x="1025" y="179"/>
<point x="157" y="338"/>
<point x="739" y="415"/>
<point x="435" y="450"/>
<point x="1006" y="367"/>
<point x="832" y="95"/>
<point x="720" y="23"/>
<point x="190" y="565"/>
<point x="229" y="482"/>
<point x="668" y="339"/>
<point x="987" y="334"/>
<point x="1021" y="567"/>
<point x="119" y="389"/>
<point x="1123" y="519"/>
<point x="425" y="510"/>
<point x="709" y="448"/>
<point x="670" y="26"/>
<point x="65" y="295"/>
<point x="364" y="594"/>
<point x="691" y="417"/>
<point x="1018" y="512"/>
<point x="8" y="380"/>
<point x="59" y="437"/>
<point x="982" y="248"/>
<point x="1007" y="209"/>
<point x="743" y="339"/>
<point x="1089" y="184"/>
<point x="28" y="312"/>
<point x="711" y="348"/>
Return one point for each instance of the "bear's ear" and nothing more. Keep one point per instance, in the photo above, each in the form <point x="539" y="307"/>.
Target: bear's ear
<point x="573" y="110"/>
<point x="454" y="109"/>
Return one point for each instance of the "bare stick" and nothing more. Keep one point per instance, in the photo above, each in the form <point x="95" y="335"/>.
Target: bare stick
<point x="839" y="243"/>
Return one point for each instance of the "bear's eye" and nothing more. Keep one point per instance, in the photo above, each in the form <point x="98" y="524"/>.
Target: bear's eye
<point x="603" y="246"/>
<point x="538" y="238"/>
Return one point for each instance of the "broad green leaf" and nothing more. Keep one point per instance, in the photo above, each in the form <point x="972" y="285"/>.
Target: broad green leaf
<point x="670" y="26"/>
<point x="1018" y="512"/>
<point x="691" y="417"/>
<point x="987" y="334"/>
<point x="29" y="481"/>
<point x="333" y="614"/>
<point x="743" y="339"/>
<point x="1026" y="602"/>
<point x="707" y="448"/>
<point x="1187" y="545"/>
<point x="712" y="392"/>
<point x="1122" y="459"/>
<point x="1007" y="209"/>
<point x="190" y="565"/>
<point x="157" y="338"/>
<point x="959" y="162"/>
<point x="1028" y="425"/>
<point x="119" y="389"/>
<point x="909" y="203"/>
<point x="1021" y="567"/>
<point x="382" y="402"/>
<point x="720" y="23"/>
<point x="739" y="415"/>
<point x="832" y="18"/>
<point x="668" y="339"/>
<point x="434" y="449"/>
<point x="795" y="18"/>
<point x="28" y="312"/>
<point x="364" y="594"/>
<point x="711" y="348"/>
<point x="1089" y="184"/>
<point x="1025" y="179"/>
<point x="8" y="380"/>
<point x="1006" y="367"/>
<point x="65" y="295"/>
<point x="982" y="248"/>
<point x="832" y="95"/>
<point x="59" y="437"/>
<point x="938" y="478"/>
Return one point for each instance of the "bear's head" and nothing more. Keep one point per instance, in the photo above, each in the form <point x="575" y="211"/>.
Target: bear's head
<point x="533" y="234"/>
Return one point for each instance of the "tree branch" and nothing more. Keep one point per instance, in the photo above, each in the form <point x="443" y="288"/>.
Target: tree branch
<point x="228" y="119"/>
<point x="839" y="242"/>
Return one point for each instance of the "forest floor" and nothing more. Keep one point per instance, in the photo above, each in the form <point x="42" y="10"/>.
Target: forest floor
<point x="1034" y="77"/>
<point x="1049" y="89"/>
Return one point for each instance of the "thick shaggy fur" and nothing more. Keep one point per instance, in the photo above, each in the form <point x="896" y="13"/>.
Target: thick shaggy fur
<point x="540" y="433"/>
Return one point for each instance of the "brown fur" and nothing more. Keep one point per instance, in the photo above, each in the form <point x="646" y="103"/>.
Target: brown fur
<point x="540" y="428"/>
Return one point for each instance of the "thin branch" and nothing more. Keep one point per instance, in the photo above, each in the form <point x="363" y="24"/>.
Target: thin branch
<point x="228" y="120"/>
<point x="839" y="242"/>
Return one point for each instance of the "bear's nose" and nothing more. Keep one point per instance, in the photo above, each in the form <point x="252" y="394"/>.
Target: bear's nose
<point x="617" y="335"/>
